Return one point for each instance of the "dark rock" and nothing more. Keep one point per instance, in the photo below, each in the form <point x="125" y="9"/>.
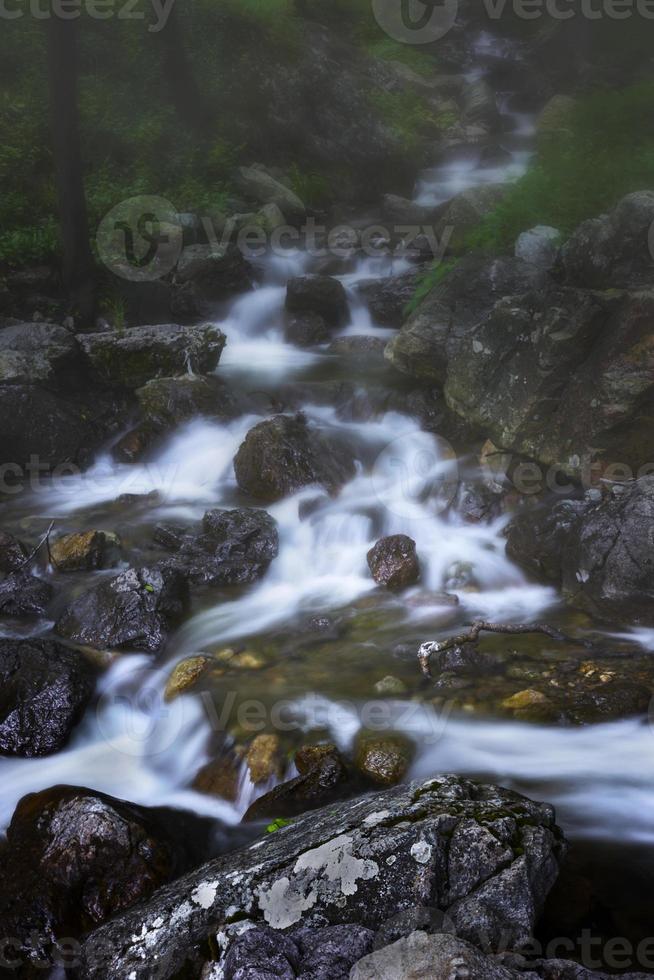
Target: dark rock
<point x="320" y="782"/>
<point x="258" y="184"/>
<point x="283" y="454"/>
<point x="307" y="330"/>
<point x="12" y="553"/>
<point x="334" y="867"/>
<point x="384" y="759"/>
<point x="55" y="429"/>
<point x="76" y="857"/>
<point x="448" y="314"/>
<point x="220" y="777"/>
<point x="45" y="688"/>
<point x="309" y="954"/>
<point x="608" y="564"/>
<point x="168" y="402"/>
<point x="133" y="357"/>
<point x="402" y="212"/>
<point x="318" y="295"/>
<point x="23" y="594"/>
<point x="135" y="610"/>
<point x="234" y="548"/>
<point x="394" y="562"/>
<point x="214" y="274"/>
<point x="388" y="299"/>
<point x="537" y="539"/>
<point x="37" y="352"/>
<point x="614" y="250"/>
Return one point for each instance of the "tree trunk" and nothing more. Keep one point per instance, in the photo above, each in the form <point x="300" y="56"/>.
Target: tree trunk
<point x="184" y="92"/>
<point x="77" y="262"/>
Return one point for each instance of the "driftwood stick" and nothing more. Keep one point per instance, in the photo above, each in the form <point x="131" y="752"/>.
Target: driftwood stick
<point x="45" y="540"/>
<point x="472" y="636"/>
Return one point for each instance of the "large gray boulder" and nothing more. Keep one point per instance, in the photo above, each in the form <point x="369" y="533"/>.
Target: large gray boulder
<point x="132" y="357"/>
<point x="284" y="454"/>
<point x="421" y="956"/>
<point x="263" y="188"/>
<point x="36" y="352"/>
<point x="54" y="427"/>
<point x="464" y="295"/>
<point x="599" y="552"/>
<point x="207" y="273"/>
<point x="615" y="250"/>
<point x="484" y="856"/>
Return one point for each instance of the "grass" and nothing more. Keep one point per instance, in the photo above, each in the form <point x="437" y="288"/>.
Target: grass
<point x="432" y="277"/>
<point x="609" y="153"/>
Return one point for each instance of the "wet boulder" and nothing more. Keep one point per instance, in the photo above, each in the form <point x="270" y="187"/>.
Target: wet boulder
<point x="383" y="758"/>
<point x="75" y="858"/>
<point x="206" y="274"/>
<point x="263" y="188"/>
<point x="387" y="299"/>
<point x="464" y="294"/>
<point x="608" y="563"/>
<point x="13" y="553"/>
<point x="318" y="295"/>
<point x="24" y="594"/>
<point x="83" y="551"/>
<point x="522" y="377"/>
<point x="323" y="776"/>
<point x="57" y="429"/>
<point x="615" y="250"/>
<point x="165" y="403"/>
<point x="307" y="330"/>
<point x="37" y="352"/>
<point x="599" y="550"/>
<point x="319" y="954"/>
<point x="284" y="454"/>
<point x="489" y="855"/>
<point x="393" y="562"/>
<point x="132" y="357"/>
<point x="539" y="246"/>
<point x="233" y="547"/>
<point x="135" y="610"/>
<point x="44" y="688"/>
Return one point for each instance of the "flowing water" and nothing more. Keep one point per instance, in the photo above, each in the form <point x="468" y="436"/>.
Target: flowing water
<point x="133" y="745"/>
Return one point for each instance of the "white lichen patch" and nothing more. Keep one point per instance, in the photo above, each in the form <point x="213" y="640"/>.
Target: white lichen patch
<point x="374" y="819"/>
<point x="421" y="852"/>
<point x="284" y="902"/>
<point x="205" y="894"/>
<point x="336" y="862"/>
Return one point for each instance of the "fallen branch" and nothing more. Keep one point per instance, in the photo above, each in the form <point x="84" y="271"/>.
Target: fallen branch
<point x="45" y="540"/>
<point x="427" y="650"/>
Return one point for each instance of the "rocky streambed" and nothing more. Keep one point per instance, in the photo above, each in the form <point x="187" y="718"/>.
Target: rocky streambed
<point x="225" y="540"/>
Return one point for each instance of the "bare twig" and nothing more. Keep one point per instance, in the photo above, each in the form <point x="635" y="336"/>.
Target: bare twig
<point x="472" y="636"/>
<point x="45" y="540"/>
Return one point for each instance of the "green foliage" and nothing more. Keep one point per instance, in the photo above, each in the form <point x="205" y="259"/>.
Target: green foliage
<point x="407" y="114"/>
<point x="386" y="49"/>
<point x="432" y="277"/>
<point x="313" y="189"/>
<point x="277" y="825"/>
<point x="609" y="153"/>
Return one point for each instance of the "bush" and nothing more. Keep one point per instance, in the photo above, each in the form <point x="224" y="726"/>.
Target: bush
<point x="610" y="153"/>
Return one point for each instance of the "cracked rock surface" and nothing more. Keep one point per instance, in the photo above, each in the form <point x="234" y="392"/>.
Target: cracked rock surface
<point x="485" y="856"/>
